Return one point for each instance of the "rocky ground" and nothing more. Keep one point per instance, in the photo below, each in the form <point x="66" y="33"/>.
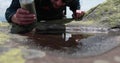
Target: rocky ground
<point x="80" y="48"/>
<point x="35" y="48"/>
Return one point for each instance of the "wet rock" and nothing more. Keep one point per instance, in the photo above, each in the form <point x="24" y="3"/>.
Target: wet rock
<point x="38" y="48"/>
<point x="12" y="56"/>
<point x="32" y="54"/>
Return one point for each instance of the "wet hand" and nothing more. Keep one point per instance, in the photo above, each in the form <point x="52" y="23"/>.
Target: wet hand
<point x="78" y="14"/>
<point x="23" y="17"/>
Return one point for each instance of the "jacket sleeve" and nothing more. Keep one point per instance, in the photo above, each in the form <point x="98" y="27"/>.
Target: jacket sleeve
<point x="74" y="5"/>
<point x="11" y="10"/>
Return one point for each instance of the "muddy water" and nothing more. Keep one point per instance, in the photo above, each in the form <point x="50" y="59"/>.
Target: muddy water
<point x="55" y="44"/>
<point x="55" y="41"/>
<point x="78" y="45"/>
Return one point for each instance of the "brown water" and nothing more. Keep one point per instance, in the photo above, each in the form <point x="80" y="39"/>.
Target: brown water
<point x="55" y="41"/>
<point x="80" y="45"/>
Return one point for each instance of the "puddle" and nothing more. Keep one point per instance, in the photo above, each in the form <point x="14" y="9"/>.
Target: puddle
<point x="54" y="44"/>
<point x="72" y="45"/>
<point x="56" y="41"/>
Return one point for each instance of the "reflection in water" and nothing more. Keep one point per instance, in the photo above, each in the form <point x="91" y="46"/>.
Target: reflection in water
<point x="55" y="41"/>
<point x="76" y="44"/>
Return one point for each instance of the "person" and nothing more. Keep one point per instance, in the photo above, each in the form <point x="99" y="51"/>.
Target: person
<point x="22" y="20"/>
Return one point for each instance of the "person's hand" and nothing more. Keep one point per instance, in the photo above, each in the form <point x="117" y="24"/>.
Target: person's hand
<point x="78" y="14"/>
<point x="23" y="17"/>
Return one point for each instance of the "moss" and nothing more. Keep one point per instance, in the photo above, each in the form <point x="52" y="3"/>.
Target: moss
<point x="114" y="19"/>
<point x="12" y="56"/>
<point x="107" y="13"/>
<point x="90" y="22"/>
<point x="3" y="38"/>
<point x="3" y="24"/>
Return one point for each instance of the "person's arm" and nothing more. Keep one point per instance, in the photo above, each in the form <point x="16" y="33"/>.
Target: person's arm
<point x="16" y="14"/>
<point x="12" y="10"/>
<point x="75" y="7"/>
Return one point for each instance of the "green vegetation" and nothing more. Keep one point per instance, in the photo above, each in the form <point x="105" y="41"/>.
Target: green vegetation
<point x="12" y="56"/>
<point x="90" y="22"/>
<point x="3" y="38"/>
<point x="4" y="24"/>
<point x="107" y="13"/>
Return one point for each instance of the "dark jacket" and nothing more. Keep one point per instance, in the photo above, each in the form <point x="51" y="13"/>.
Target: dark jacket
<point x="44" y="9"/>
